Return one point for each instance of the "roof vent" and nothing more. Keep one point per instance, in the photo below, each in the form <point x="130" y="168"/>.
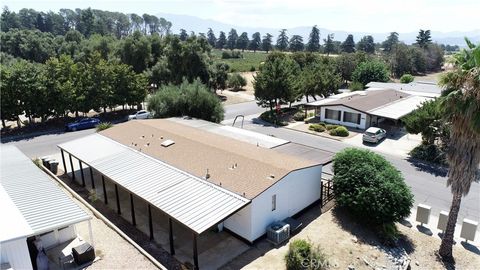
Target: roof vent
<point x="271" y="176"/>
<point x="167" y="143"/>
<point x="207" y="175"/>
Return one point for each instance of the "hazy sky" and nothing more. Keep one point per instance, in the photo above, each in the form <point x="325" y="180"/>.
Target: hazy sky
<point x="349" y="15"/>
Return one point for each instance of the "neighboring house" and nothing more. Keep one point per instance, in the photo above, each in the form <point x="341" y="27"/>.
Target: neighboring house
<point x="204" y="179"/>
<point x="33" y="208"/>
<point x="425" y="89"/>
<point x="363" y="109"/>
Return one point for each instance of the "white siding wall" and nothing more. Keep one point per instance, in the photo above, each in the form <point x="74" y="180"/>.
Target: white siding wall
<point x="16" y="253"/>
<point x="363" y="117"/>
<point x="56" y="236"/>
<point x="240" y="222"/>
<point x="294" y="192"/>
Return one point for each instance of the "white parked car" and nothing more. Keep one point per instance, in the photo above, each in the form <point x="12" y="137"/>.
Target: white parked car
<point x="143" y="114"/>
<point x="374" y="134"/>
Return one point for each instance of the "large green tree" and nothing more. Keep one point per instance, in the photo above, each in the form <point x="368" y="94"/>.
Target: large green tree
<point x="319" y="78"/>
<point x="371" y="71"/>
<point x="329" y="45"/>
<point x="424" y="38"/>
<point x="391" y="41"/>
<point x="212" y="40"/>
<point x="282" y="40"/>
<point x="296" y="43"/>
<point x="256" y="42"/>
<point x="366" y="44"/>
<point x="232" y="39"/>
<point x="461" y="107"/>
<point x="348" y="45"/>
<point x="267" y="43"/>
<point x="242" y="41"/>
<point x="313" y="44"/>
<point x="221" y="41"/>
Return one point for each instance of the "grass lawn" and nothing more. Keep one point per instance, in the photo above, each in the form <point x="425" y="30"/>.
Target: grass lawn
<point x="249" y="60"/>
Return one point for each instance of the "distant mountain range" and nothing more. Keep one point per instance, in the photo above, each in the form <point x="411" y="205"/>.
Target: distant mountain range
<point x="199" y="25"/>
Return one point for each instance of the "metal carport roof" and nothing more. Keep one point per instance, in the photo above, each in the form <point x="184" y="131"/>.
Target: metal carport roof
<point x="400" y="108"/>
<point x="42" y="204"/>
<point x="192" y="201"/>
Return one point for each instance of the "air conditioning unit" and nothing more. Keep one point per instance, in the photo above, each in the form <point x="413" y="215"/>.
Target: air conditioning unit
<point x="278" y="232"/>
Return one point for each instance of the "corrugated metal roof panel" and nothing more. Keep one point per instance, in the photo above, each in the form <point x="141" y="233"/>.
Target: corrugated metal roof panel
<point x="194" y="202"/>
<point x="40" y="201"/>
<point x="400" y="108"/>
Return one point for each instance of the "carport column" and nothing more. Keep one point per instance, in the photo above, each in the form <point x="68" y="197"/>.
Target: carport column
<point x="90" y="232"/>
<point x="119" y="211"/>
<point x="105" y="197"/>
<point x="132" y="208"/>
<point x="91" y="177"/>
<point x="63" y="159"/>
<point x="71" y="166"/>
<point x="195" y="251"/>
<point x="150" y="223"/>
<point x="170" y="229"/>
<point x="81" y="173"/>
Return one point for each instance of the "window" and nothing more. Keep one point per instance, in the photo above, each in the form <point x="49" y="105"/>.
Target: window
<point x="274" y="202"/>
<point x="351" y="117"/>
<point x="333" y="114"/>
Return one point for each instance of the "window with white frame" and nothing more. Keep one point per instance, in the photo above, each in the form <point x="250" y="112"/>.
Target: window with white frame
<point x="333" y="114"/>
<point x="274" y="202"/>
<point x="351" y="117"/>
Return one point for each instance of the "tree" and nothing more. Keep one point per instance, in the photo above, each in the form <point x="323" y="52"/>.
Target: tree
<point x="267" y="42"/>
<point x="313" y="44"/>
<point x="135" y="50"/>
<point x="232" y="39"/>
<point x="368" y="185"/>
<point x="255" y="43"/>
<point x="390" y="42"/>
<point x="10" y="104"/>
<point x="348" y="45"/>
<point x="366" y="44"/>
<point x="329" y="46"/>
<point x="9" y="20"/>
<point x="219" y="76"/>
<point x="242" y="41"/>
<point x="236" y="81"/>
<point x="460" y="107"/>
<point x="319" y="78"/>
<point x="424" y="38"/>
<point x="275" y="81"/>
<point x="183" y="35"/>
<point x="193" y="99"/>
<point x="282" y="40"/>
<point x="296" y="43"/>
<point x="348" y="62"/>
<point x="212" y="40"/>
<point x="371" y="71"/>
<point x="222" y="41"/>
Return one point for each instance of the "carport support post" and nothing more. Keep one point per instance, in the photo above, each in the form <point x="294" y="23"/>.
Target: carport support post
<point x="132" y="208"/>
<point x="63" y="159"/>
<point x="90" y="232"/>
<point x="105" y="197"/>
<point x="91" y="177"/>
<point x="195" y="251"/>
<point x="150" y="223"/>
<point x="170" y="229"/>
<point x="81" y="173"/>
<point x="71" y="166"/>
<point x="119" y="211"/>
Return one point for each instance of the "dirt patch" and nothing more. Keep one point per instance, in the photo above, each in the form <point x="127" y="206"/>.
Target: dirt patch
<point x="349" y="244"/>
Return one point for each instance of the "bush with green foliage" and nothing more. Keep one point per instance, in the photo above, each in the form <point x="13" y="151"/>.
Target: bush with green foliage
<point x="370" y="187"/>
<point x="252" y="69"/>
<point x="317" y="127"/>
<point x="330" y="127"/>
<point x="299" y="116"/>
<point x="430" y="153"/>
<point x="231" y="55"/>
<point x="272" y="117"/>
<point x="103" y="126"/>
<point x="340" y="131"/>
<point x="371" y="71"/>
<point x="407" y="78"/>
<point x="356" y="86"/>
<point x="303" y="255"/>
<point x="236" y="81"/>
<point x="192" y="99"/>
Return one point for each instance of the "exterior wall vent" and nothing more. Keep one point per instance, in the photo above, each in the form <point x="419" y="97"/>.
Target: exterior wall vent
<point x="167" y="143"/>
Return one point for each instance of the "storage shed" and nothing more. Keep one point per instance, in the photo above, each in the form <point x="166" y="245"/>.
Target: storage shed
<point x="33" y="207"/>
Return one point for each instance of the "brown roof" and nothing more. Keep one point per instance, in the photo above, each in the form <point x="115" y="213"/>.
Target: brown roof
<point x="370" y="100"/>
<point x="197" y="150"/>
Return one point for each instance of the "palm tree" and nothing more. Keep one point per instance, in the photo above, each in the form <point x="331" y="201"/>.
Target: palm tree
<point x="461" y="104"/>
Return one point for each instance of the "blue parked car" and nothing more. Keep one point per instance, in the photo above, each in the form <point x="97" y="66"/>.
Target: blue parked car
<point x="82" y="124"/>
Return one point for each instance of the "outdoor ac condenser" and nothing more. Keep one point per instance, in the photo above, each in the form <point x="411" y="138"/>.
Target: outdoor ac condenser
<point x="278" y="232"/>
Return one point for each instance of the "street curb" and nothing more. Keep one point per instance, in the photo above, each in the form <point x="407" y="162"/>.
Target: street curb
<point x="104" y="219"/>
<point x="339" y="140"/>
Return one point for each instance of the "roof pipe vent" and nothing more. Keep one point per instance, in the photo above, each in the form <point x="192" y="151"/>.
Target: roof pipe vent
<point x="207" y="175"/>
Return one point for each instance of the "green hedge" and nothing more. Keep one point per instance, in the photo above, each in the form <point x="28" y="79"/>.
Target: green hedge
<point x="317" y="127"/>
<point x="406" y="78"/>
<point x="340" y="131"/>
<point x="303" y="255"/>
<point x="329" y="127"/>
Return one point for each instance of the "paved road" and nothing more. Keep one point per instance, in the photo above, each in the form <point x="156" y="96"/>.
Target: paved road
<point x="427" y="187"/>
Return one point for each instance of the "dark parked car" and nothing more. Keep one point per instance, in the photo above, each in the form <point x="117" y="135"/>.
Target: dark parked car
<point x="82" y="124"/>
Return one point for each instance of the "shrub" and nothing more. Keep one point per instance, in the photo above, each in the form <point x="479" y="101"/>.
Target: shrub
<point x="299" y="116"/>
<point x="317" y="127"/>
<point x="231" y="55"/>
<point x="271" y="117"/>
<point x="355" y="86"/>
<point x="340" y="131"/>
<point x="330" y="127"/>
<point x="370" y="187"/>
<point x="370" y="71"/>
<point x="192" y="99"/>
<point x="389" y="234"/>
<point x="302" y="255"/>
<point x="103" y="126"/>
<point x="406" y="78"/>
<point x="430" y="153"/>
<point x="236" y="81"/>
<point x="252" y="69"/>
